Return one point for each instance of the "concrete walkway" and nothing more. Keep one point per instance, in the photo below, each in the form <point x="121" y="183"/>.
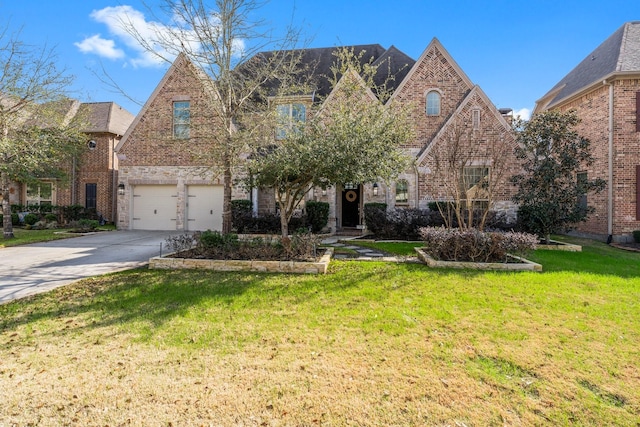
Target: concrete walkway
<point x="39" y="267"/>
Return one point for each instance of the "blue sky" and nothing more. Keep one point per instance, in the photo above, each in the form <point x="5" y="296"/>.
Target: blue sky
<point x="515" y="50"/>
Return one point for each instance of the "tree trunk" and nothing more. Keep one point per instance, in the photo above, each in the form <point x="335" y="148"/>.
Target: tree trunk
<point x="7" y="225"/>
<point x="226" y="201"/>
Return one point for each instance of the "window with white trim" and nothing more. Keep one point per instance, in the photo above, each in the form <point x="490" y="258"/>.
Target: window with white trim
<point x="402" y="191"/>
<point x="433" y="103"/>
<point x="475" y="118"/>
<point x="181" y="119"/>
<point x="289" y="116"/>
<point x="475" y="181"/>
<point x="40" y="193"/>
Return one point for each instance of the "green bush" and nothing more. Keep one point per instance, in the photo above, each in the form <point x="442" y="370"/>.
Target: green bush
<point x="30" y="219"/>
<point x="51" y="217"/>
<point x="636" y="236"/>
<point x="241" y="214"/>
<point x="317" y="215"/>
<point x="215" y="239"/>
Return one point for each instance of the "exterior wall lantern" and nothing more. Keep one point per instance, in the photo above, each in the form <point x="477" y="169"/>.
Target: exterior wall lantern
<point x="121" y="189"/>
<point x="375" y="188"/>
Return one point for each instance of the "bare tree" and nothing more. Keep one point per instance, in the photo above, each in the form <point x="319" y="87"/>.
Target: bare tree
<point x="470" y="167"/>
<point x="225" y="41"/>
<point x="37" y="133"/>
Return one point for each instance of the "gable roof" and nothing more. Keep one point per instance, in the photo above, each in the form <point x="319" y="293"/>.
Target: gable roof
<point x="107" y="117"/>
<point x="476" y="91"/>
<point x="178" y="63"/>
<point x="618" y="54"/>
<point x="434" y="44"/>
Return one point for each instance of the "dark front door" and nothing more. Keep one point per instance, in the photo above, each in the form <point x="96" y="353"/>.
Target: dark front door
<point x="350" y="205"/>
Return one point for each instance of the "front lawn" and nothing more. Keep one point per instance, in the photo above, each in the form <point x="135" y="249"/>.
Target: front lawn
<point x="24" y="237"/>
<point x="368" y="344"/>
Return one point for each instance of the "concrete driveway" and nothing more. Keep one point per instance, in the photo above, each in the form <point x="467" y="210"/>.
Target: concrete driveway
<point x="39" y="267"/>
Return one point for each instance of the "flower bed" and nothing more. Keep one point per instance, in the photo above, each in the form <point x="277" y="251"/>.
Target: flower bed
<point x="310" y="267"/>
<point x="516" y="263"/>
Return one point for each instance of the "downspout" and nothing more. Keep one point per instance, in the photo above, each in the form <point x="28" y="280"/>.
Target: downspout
<point x="417" y="206"/>
<point x="114" y="181"/>
<point x="610" y="177"/>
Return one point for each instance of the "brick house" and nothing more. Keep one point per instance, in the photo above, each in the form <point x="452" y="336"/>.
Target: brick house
<point x="604" y="90"/>
<point x="165" y="187"/>
<point x="93" y="177"/>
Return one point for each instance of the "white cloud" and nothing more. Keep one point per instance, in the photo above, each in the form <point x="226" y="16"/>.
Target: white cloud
<point x="101" y="47"/>
<point x="523" y="113"/>
<point x="119" y="18"/>
<point x="121" y="21"/>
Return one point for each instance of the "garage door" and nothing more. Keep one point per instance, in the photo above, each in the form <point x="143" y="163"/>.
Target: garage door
<point x="154" y="207"/>
<point x="204" y="207"/>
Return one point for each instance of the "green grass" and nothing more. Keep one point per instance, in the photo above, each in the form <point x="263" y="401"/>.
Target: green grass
<point x="24" y="237"/>
<point x="368" y="344"/>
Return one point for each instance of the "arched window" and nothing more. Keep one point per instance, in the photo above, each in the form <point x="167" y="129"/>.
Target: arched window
<point x="402" y="191"/>
<point x="433" y="103"/>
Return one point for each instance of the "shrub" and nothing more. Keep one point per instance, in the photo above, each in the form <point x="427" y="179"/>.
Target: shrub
<point x="241" y="214"/>
<point x="31" y="219"/>
<point x="215" y="239"/>
<point x="317" y="215"/>
<point x="51" y="217"/>
<point x="215" y="245"/>
<point x="397" y="223"/>
<point x="636" y="236"/>
<point x="71" y="213"/>
<point x="375" y="217"/>
<point x="454" y="244"/>
<point x="84" y="224"/>
<point x="181" y="242"/>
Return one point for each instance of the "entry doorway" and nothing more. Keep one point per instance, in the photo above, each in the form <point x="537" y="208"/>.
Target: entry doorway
<point x="351" y="198"/>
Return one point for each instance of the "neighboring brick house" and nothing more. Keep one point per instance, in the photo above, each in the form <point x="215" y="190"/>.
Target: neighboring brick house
<point x="604" y="90"/>
<point x="166" y="188"/>
<point x="93" y="177"/>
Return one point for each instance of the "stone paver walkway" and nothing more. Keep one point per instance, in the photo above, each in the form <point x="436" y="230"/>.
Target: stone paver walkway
<point x="364" y="254"/>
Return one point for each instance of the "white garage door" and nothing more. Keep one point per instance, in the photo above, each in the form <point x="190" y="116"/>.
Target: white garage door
<point x="154" y="207"/>
<point x="204" y="207"/>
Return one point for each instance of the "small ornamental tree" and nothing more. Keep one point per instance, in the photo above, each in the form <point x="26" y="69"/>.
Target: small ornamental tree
<point x="354" y="137"/>
<point x="549" y="189"/>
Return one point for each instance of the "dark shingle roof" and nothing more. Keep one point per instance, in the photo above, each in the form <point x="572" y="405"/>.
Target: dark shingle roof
<point x="318" y="62"/>
<point x="619" y="53"/>
<point x="107" y="117"/>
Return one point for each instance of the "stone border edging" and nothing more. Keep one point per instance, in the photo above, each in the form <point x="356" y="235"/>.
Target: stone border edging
<point x="523" y="265"/>
<point x="560" y="246"/>
<point x="319" y="267"/>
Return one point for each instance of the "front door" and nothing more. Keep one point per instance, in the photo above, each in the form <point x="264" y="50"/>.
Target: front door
<point x="350" y="205"/>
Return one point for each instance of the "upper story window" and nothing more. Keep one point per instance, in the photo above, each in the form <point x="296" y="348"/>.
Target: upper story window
<point x="181" y="119"/>
<point x="475" y="119"/>
<point x="433" y="103"/>
<point x="402" y="191"/>
<point x="288" y="116"/>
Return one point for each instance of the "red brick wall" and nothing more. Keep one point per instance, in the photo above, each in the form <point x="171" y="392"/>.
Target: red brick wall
<point x="151" y="142"/>
<point x="433" y="72"/>
<point x="593" y="109"/>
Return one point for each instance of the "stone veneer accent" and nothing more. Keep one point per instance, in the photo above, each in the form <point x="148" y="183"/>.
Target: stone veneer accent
<point x="298" y="267"/>
<point x="180" y="176"/>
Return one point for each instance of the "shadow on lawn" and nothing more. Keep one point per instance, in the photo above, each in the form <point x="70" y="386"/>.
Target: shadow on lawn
<point x="158" y="296"/>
